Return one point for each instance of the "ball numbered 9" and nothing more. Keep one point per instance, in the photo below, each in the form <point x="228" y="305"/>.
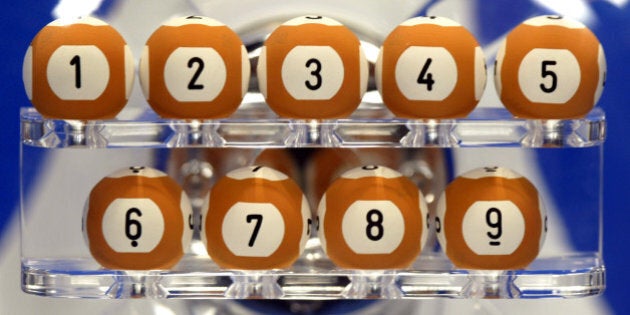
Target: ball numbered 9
<point x="550" y="67"/>
<point x="430" y="67"/>
<point x="78" y="69"/>
<point x="491" y="218"/>
<point x="372" y="218"/>
<point x="194" y="67"/>
<point x="138" y="219"/>
<point x="255" y="218"/>
<point x="312" y="67"/>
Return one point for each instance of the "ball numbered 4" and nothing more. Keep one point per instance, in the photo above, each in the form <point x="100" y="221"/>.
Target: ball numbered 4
<point x="138" y="219"/>
<point x="372" y="217"/>
<point x="194" y="67"/>
<point x="255" y="218"/>
<point x="550" y="67"/>
<point x="78" y="69"/>
<point x="491" y="218"/>
<point x="430" y="67"/>
<point x="312" y="67"/>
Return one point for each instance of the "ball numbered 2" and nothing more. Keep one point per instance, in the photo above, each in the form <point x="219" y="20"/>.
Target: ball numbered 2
<point x="312" y="67"/>
<point x="194" y="67"/>
<point x="550" y="67"/>
<point x="137" y="219"/>
<point x="78" y="69"/>
<point x="430" y="67"/>
<point x="491" y="218"/>
<point x="256" y="218"/>
<point x="372" y="218"/>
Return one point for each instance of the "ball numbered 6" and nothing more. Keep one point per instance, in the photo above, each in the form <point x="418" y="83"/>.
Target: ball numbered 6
<point x="430" y="67"/>
<point x="550" y="67"/>
<point x="138" y="219"/>
<point x="255" y="218"/>
<point x="491" y="218"/>
<point x="194" y="67"/>
<point x="372" y="218"/>
<point x="78" y="69"/>
<point x="312" y="67"/>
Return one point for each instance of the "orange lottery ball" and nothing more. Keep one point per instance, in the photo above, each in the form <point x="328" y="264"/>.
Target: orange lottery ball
<point x="312" y="67"/>
<point x="256" y="218"/>
<point x="194" y="67"/>
<point x="491" y="218"/>
<point x="78" y="69"/>
<point x="372" y="217"/>
<point x="137" y="219"/>
<point x="550" y="67"/>
<point x="430" y="67"/>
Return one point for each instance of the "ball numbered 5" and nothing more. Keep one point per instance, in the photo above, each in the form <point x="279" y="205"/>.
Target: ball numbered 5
<point x="372" y="218"/>
<point x="194" y="67"/>
<point x="491" y="218"/>
<point x="550" y="67"/>
<point x="78" y="69"/>
<point x="255" y="218"/>
<point x="138" y="219"/>
<point x="312" y="67"/>
<point x="430" y="67"/>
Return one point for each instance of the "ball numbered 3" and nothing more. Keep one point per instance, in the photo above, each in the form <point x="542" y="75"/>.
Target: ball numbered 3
<point x="491" y="218"/>
<point x="78" y="69"/>
<point x="312" y="67"/>
<point x="372" y="217"/>
<point x="194" y="67"/>
<point x="137" y="219"/>
<point x="256" y="218"/>
<point x="550" y="67"/>
<point x="430" y="67"/>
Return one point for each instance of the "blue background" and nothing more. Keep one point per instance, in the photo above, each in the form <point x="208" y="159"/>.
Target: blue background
<point x="22" y="19"/>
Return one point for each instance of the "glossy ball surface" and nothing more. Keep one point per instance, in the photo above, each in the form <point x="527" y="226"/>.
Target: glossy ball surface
<point x="194" y="67"/>
<point x="372" y="218"/>
<point x="312" y="67"/>
<point x="78" y="69"/>
<point x="550" y="67"/>
<point x="430" y="67"/>
<point x="491" y="218"/>
<point x="137" y="219"/>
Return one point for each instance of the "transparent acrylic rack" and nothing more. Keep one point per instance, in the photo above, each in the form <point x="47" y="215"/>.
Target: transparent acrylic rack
<point x="56" y="261"/>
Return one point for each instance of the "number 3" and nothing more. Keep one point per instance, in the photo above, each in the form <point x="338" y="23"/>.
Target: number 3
<point x="315" y="73"/>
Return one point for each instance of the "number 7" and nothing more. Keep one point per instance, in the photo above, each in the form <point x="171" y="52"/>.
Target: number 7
<point x="258" y="218"/>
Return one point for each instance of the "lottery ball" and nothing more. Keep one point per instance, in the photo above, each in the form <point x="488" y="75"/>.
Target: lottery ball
<point x="194" y="67"/>
<point x="491" y="218"/>
<point x="430" y="67"/>
<point x="372" y="218"/>
<point x="255" y="218"/>
<point x="312" y="67"/>
<point x="550" y="67"/>
<point x="137" y="219"/>
<point x="78" y="69"/>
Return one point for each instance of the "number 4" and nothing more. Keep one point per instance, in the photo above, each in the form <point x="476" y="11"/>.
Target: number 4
<point x="426" y="77"/>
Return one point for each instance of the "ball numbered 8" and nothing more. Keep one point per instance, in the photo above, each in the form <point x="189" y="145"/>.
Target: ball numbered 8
<point x="137" y="218"/>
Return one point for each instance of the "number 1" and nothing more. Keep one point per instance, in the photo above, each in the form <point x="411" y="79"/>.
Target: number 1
<point x="76" y="62"/>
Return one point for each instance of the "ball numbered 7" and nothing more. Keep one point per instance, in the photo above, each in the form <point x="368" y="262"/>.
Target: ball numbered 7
<point x="550" y="67"/>
<point x="255" y="218"/>
<point x="430" y="67"/>
<point x="81" y="69"/>
<point x="312" y="67"/>
<point x="372" y="218"/>
<point x="491" y="218"/>
<point x="137" y="218"/>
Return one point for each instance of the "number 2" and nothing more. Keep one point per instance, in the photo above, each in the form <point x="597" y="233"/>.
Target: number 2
<point x="250" y="218"/>
<point x="192" y="85"/>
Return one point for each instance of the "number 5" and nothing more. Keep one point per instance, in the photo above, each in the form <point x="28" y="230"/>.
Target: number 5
<point x="545" y="72"/>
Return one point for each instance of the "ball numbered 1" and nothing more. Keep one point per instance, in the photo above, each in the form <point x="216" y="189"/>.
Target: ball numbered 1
<point x="312" y="67"/>
<point x="78" y="69"/>
<point x="138" y="219"/>
<point x="194" y="67"/>
<point x="372" y="218"/>
<point x="491" y="218"/>
<point x="550" y="67"/>
<point x="255" y="218"/>
<point x="430" y="67"/>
